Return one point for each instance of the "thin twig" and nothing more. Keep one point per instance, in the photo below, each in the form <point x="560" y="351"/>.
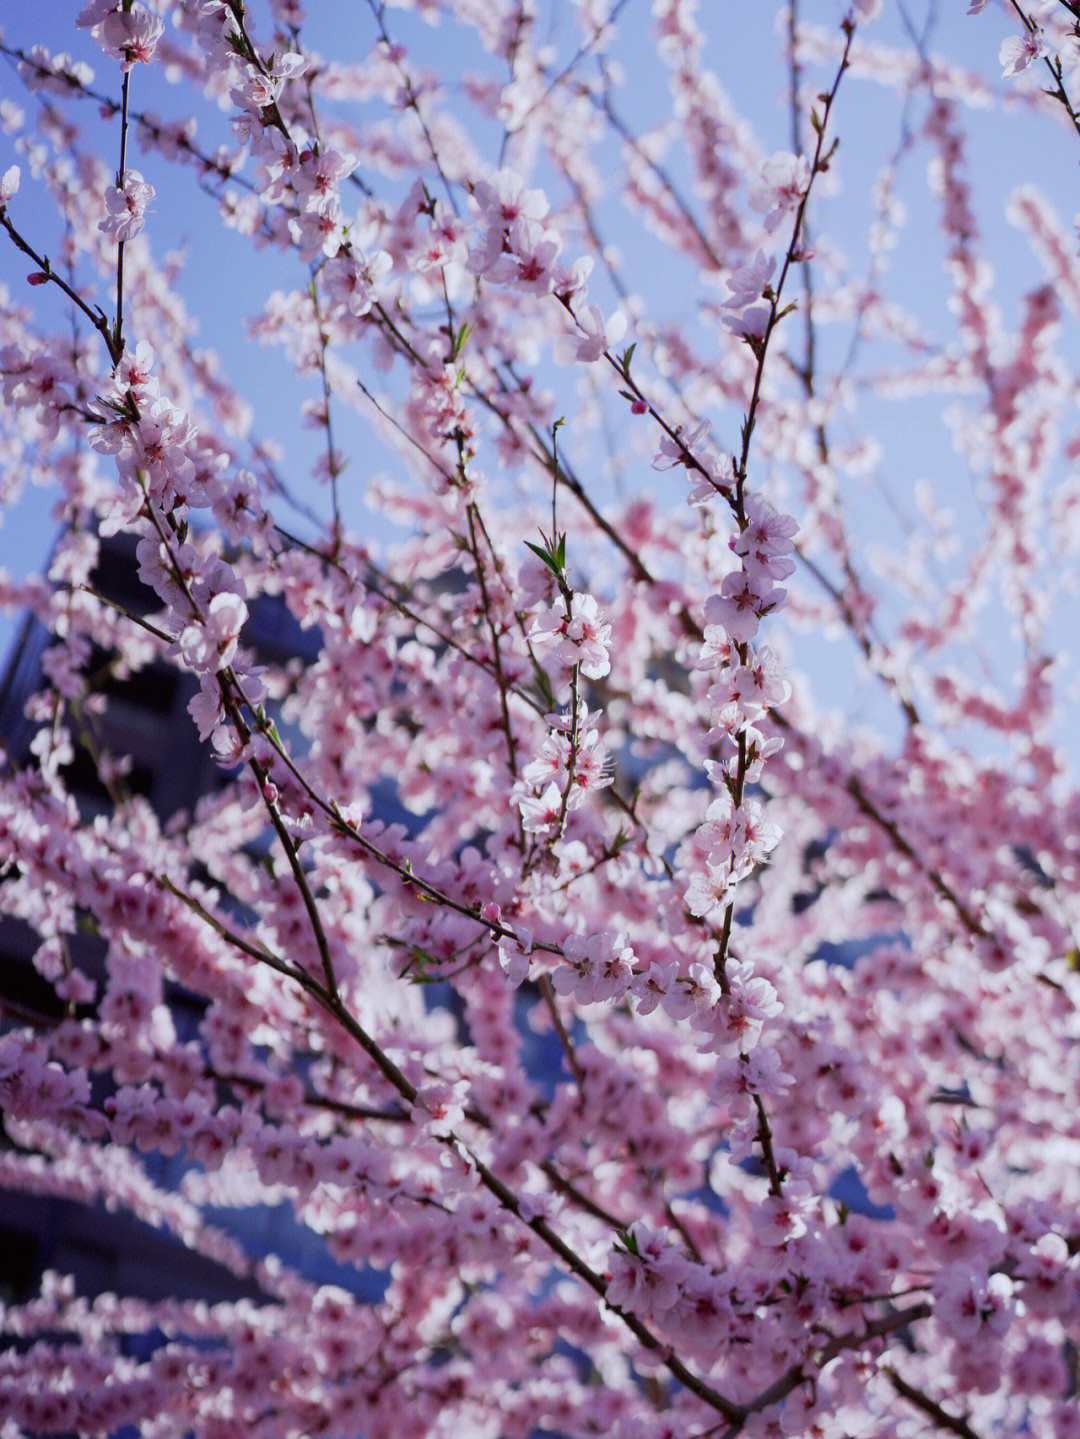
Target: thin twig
<point x="944" y="1420"/>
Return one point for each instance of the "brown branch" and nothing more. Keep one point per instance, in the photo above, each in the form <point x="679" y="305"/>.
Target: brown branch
<point x="941" y="1417"/>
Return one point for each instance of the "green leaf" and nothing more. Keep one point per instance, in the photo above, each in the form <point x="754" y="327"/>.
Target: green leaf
<point x="542" y="554"/>
<point x="459" y="340"/>
<point x="628" y="1243"/>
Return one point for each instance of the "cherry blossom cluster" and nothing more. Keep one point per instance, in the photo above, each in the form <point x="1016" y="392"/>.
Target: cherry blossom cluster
<point x="747" y="683"/>
<point x="571" y="763"/>
<point x="662" y="1021"/>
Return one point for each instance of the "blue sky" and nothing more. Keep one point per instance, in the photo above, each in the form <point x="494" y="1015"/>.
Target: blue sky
<point x="224" y="282"/>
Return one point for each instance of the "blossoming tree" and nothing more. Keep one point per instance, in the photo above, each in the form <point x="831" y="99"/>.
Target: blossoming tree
<point x="805" y="1161"/>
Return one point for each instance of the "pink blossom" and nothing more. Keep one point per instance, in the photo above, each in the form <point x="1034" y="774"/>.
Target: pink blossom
<point x="514" y="957"/>
<point x="691" y="996"/>
<point x="317" y="178"/>
<point x="581" y="638"/>
<point x="777" y="1220"/>
<point x="784" y="181"/>
<point x="766" y="680"/>
<point x="503" y="199"/>
<point x="651" y="985"/>
<point x="711" y="890"/>
<point x="597" y="967"/>
<point x="742" y="600"/>
<point x="206" y="708"/>
<point x="130" y="36"/>
<point x="676" y="450"/>
<point x="749" y="323"/>
<point x="591" y="337"/>
<point x="319" y="231"/>
<point x="9" y="184"/>
<point x="503" y="202"/>
<point x="1020" y="51"/>
<point x="748" y="283"/>
<point x="126" y="206"/>
<point x="971" y="1306"/>
<point x="536" y="251"/>
<point x="209" y="644"/>
<point x="723" y="832"/>
<point x="440" y="1107"/>
<point x="353" y="283"/>
<point x="644" y="1280"/>
<point x="766" y="532"/>
<point x="760" y="836"/>
<point x="540" y="813"/>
